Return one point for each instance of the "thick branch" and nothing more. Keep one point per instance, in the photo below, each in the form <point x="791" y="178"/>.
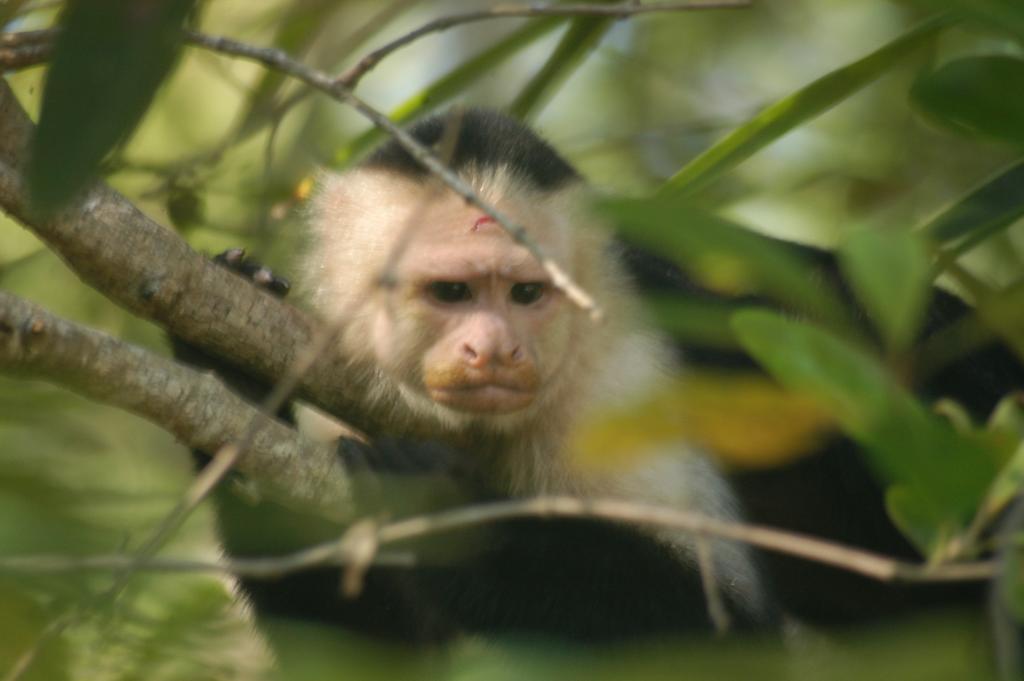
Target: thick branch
<point x="152" y="272"/>
<point x="195" y="406"/>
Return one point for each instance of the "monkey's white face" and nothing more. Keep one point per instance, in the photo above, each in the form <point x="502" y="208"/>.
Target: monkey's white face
<point x="473" y="322"/>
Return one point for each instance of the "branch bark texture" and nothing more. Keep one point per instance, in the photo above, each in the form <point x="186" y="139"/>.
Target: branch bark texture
<point x="150" y="271"/>
<point x="195" y="406"/>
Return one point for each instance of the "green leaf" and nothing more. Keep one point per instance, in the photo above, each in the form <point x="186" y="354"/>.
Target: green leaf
<point x="725" y="256"/>
<point x="1006" y="487"/>
<point x="110" y="57"/>
<point x="451" y="84"/>
<point x="790" y="112"/>
<point x="988" y="208"/>
<point x="581" y="37"/>
<point x="943" y="474"/>
<point x="1010" y="589"/>
<point x="1008" y="415"/>
<point x="1003" y="312"/>
<point x="889" y="271"/>
<point x="976" y="96"/>
<point x="914" y="518"/>
<point x="696" y="321"/>
<point x="1001" y="15"/>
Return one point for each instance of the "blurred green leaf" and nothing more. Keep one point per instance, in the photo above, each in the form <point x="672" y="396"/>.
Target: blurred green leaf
<point x="723" y="255"/>
<point x="992" y="206"/>
<point x="1004" y="314"/>
<point x="1006" y="487"/>
<point x="976" y="96"/>
<point x="451" y="84"/>
<point x="1008" y="416"/>
<point x="1011" y="593"/>
<point x="889" y="272"/>
<point x="916" y="518"/>
<point x="185" y="207"/>
<point x="790" y="112"/>
<point x="1002" y="15"/>
<point x="23" y="622"/>
<point x="702" y="322"/>
<point x="942" y="475"/>
<point x="581" y="37"/>
<point x="110" y="57"/>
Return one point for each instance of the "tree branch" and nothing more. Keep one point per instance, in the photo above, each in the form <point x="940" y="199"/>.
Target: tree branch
<point x="152" y="272"/>
<point x="195" y="406"/>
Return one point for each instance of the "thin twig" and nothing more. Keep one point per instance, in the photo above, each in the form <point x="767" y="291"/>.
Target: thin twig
<point x="866" y="563"/>
<point x="328" y="554"/>
<point x="27" y="38"/>
<point x="319" y="80"/>
<point x="352" y="76"/>
<point x="717" y="612"/>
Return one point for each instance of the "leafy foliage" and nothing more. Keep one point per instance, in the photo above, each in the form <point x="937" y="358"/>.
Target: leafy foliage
<point x="109" y="60"/>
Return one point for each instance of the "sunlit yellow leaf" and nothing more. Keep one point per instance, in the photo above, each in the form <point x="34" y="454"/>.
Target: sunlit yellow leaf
<point x="745" y="420"/>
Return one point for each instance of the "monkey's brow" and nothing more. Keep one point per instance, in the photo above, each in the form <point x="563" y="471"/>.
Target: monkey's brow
<point x="473" y="270"/>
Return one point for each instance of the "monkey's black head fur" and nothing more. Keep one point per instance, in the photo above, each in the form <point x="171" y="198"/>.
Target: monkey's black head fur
<point x="487" y="140"/>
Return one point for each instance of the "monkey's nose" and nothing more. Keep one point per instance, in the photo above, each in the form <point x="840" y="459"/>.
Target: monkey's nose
<point x="479" y="357"/>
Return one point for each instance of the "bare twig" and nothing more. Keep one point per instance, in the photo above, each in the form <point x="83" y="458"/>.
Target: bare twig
<point x="717" y="612"/>
<point x="352" y="76"/>
<point x="271" y="567"/>
<point x="281" y="61"/>
<point x="15" y="57"/>
<point x="866" y="563"/>
<point x="862" y="562"/>
<point x="27" y="38"/>
<point x="25" y="49"/>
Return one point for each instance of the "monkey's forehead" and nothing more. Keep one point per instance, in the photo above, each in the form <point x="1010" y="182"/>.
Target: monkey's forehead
<point x="449" y="220"/>
<point x="468" y="259"/>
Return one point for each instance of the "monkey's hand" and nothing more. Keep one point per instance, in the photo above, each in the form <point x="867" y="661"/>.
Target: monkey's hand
<point x="234" y="259"/>
<point x="252" y="389"/>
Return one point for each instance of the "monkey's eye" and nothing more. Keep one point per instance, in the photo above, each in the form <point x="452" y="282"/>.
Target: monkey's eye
<point x="527" y="293"/>
<point x="449" y="291"/>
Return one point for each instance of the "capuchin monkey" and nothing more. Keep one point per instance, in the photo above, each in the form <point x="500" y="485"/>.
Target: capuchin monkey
<point x="484" y="371"/>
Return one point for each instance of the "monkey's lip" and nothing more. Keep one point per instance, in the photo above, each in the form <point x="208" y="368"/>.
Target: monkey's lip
<point x="483" y="398"/>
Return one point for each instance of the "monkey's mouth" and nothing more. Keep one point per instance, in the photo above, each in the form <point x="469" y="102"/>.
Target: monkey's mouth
<point x="483" y="398"/>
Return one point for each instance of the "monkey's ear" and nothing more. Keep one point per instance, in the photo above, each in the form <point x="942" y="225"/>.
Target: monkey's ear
<point x="263" y="277"/>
